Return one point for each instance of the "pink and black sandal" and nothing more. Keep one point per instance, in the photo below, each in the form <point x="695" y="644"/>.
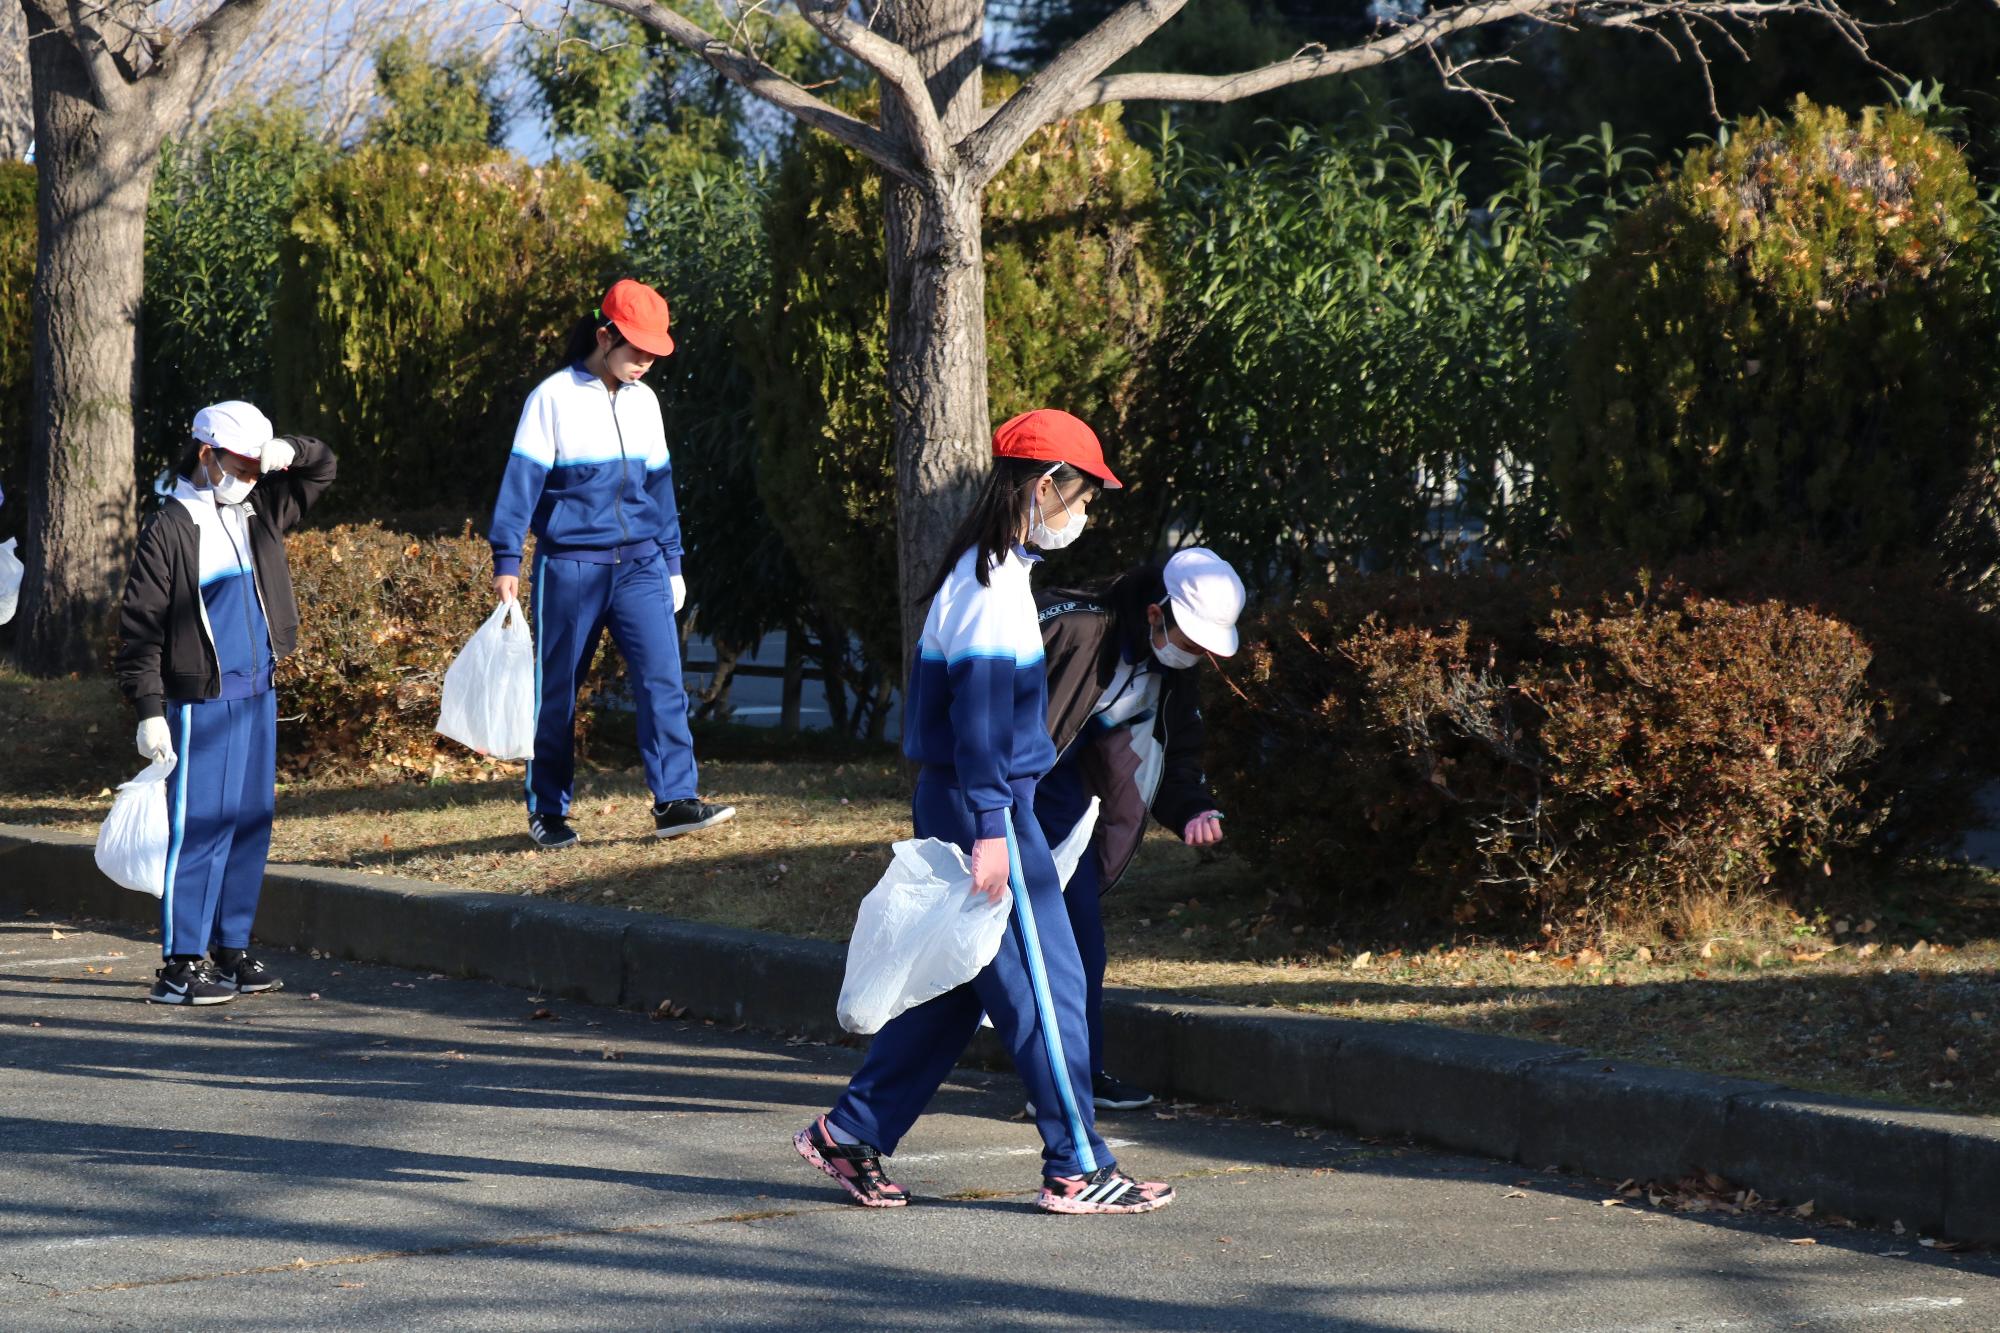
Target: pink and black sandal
<point x="857" y="1166"/>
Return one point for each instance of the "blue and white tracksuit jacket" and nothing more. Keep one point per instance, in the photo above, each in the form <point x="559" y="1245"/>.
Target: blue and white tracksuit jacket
<point x="590" y="476"/>
<point x="975" y="717"/>
<point x="221" y="792"/>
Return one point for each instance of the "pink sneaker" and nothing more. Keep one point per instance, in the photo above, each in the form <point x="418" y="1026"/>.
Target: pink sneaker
<point x="1105" y="1190"/>
<point x="857" y="1166"/>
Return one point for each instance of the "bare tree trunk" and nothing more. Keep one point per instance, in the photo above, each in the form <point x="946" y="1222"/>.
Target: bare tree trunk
<point x="90" y="273"/>
<point x="937" y="309"/>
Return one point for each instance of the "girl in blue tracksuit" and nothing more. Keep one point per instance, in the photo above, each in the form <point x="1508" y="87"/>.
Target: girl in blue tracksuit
<point x="207" y="614"/>
<point x="590" y="477"/>
<point x="975" y="720"/>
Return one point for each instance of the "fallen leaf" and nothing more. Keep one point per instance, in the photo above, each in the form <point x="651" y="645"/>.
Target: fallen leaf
<point x="1611" y="1203"/>
<point x="1515" y="1194"/>
<point x="1802" y="1240"/>
<point x="57" y="935"/>
<point x="609" y="1054"/>
<point x="1361" y="960"/>
<point x="541" y="1015"/>
<point x="1804" y="1210"/>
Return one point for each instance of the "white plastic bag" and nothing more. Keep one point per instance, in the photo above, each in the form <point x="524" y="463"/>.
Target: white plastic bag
<point x="921" y="931"/>
<point x="489" y="689"/>
<point x="132" y="844"/>
<point x="11" y="570"/>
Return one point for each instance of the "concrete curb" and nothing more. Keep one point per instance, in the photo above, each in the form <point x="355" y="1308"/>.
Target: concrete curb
<point x="1537" y="1104"/>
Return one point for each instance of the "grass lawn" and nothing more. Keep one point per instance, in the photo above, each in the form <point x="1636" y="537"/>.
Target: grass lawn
<point x="1904" y="1007"/>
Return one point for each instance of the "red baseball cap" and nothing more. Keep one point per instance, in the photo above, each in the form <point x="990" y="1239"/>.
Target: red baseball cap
<point x="640" y="314"/>
<point x="1051" y="435"/>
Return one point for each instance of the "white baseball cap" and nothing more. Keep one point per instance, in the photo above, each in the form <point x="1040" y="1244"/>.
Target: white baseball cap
<point x="236" y="426"/>
<point x="1207" y="597"/>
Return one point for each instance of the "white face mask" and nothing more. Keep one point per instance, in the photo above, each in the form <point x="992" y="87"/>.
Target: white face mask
<point x="1045" y="538"/>
<point x="231" y="490"/>
<point x="1172" y="656"/>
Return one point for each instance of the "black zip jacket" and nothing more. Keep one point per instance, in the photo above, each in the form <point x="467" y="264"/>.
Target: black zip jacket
<point x="163" y="652"/>
<point x="1083" y="634"/>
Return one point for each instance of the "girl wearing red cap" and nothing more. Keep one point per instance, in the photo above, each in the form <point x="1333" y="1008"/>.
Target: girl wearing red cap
<point x="590" y="477"/>
<point x="975" y="720"/>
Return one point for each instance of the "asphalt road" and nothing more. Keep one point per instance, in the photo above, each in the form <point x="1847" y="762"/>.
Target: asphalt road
<point x="409" y="1152"/>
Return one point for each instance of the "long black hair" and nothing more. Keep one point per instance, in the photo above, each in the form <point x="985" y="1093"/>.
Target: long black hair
<point x="993" y="524"/>
<point x="183" y="466"/>
<point x="583" y="338"/>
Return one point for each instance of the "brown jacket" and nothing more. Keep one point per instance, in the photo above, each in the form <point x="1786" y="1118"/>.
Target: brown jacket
<point x="1153" y="764"/>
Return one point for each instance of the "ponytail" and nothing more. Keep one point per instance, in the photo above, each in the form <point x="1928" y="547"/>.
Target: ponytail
<point x="183" y="466"/>
<point x="583" y="338"/>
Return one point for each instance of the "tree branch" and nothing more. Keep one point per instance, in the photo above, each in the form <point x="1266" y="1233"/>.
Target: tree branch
<point x="1050" y="92"/>
<point x="1314" y="64"/>
<point x="760" y="79"/>
<point x="1440" y="24"/>
<point x="897" y="69"/>
<point x="196" y="60"/>
<point x="94" y="49"/>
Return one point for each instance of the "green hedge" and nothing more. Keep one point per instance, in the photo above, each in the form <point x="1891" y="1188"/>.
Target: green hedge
<point x="423" y="294"/>
<point x="17" y="280"/>
<point x="1796" y="337"/>
<point x="1072" y="298"/>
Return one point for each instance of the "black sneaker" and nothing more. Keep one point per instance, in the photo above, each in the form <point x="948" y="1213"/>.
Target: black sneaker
<point x="689" y="814"/>
<point x="551" y="831"/>
<point x="189" y="981"/>
<point x="1114" y="1094"/>
<point x="245" y="975"/>
<point x="1109" y="1094"/>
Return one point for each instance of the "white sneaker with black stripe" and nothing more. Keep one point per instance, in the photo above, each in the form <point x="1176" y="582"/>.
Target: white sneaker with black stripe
<point x="1105" y="1190"/>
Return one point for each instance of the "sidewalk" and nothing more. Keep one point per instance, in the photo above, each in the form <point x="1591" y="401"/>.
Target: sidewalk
<point x="414" y="1152"/>
<point x="1536" y="1104"/>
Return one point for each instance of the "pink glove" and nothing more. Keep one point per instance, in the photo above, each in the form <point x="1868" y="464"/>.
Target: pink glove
<point x="1204" y="830"/>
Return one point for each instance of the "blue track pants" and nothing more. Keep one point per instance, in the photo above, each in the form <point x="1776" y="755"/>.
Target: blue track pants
<point x="1060" y="800"/>
<point x="575" y="602"/>
<point x="1033" y="989"/>
<point x="219" y="801"/>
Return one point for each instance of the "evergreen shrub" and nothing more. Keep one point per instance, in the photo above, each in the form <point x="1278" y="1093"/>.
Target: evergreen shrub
<point x="1796" y="337"/>
<point x="17" y="280"/>
<point x="423" y="294"/>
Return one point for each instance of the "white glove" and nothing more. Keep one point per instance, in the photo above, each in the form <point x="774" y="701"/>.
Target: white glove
<point x="680" y="592"/>
<point x="278" y="455"/>
<point x="155" y="741"/>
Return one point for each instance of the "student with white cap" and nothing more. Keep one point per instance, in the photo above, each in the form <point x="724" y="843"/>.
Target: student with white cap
<point x="590" y="477"/>
<point x="1125" y="716"/>
<point x="208" y="612"/>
